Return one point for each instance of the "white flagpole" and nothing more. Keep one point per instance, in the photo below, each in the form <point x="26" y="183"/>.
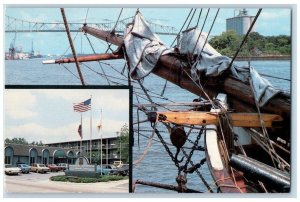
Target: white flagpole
<point x="101" y="142"/>
<point x="91" y="133"/>
<point x="80" y="150"/>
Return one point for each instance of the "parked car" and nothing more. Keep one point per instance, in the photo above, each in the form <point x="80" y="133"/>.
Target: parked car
<point x="24" y="167"/>
<point x="107" y="169"/>
<point x="39" y="168"/>
<point x="63" y="166"/>
<point x="54" y="168"/>
<point x="118" y="164"/>
<point x="123" y="170"/>
<point x="10" y="170"/>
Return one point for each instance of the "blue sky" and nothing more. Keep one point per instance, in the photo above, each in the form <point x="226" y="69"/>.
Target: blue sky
<point x="47" y="114"/>
<point x="272" y="21"/>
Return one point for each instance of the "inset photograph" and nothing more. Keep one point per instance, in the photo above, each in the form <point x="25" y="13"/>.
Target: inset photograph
<point x="66" y="140"/>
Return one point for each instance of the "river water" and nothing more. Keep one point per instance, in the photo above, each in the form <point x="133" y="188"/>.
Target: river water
<point x="157" y="165"/>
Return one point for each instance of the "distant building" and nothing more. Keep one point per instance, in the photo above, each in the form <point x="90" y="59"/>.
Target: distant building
<point x="61" y="152"/>
<point x="240" y="23"/>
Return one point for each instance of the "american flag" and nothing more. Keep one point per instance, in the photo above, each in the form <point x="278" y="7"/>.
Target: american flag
<point x="82" y="106"/>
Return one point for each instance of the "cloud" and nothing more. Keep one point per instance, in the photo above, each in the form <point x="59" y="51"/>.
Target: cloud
<point x="275" y="14"/>
<point x="108" y="99"/>
<point x="19" y="104"/>
<point x="36" y="132"/>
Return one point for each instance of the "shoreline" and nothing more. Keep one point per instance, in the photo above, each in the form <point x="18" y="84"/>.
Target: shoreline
<point x="268" y="57"/>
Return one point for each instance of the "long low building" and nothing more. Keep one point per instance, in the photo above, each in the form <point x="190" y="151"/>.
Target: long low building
<point x="62" y="152"/>
<point x="29" y="154"/>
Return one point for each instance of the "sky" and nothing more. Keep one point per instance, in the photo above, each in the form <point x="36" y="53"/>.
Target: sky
<point x="272" y="21"/>
<point x="47" y="114"/>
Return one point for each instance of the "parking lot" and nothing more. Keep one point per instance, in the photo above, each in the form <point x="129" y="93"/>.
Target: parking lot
<point x="40" y="183"/>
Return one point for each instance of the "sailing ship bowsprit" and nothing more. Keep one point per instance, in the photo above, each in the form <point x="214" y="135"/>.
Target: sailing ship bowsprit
<point x="244" y="121"/>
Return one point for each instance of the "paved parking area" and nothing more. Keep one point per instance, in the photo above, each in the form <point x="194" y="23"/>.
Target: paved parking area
<point x="40" y="183"/>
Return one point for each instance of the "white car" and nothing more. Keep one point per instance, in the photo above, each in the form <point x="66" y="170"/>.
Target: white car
<point x="10" y="170"/>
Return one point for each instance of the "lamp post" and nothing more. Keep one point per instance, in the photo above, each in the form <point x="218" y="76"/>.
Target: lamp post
<point x="120" y="146"/>
<point x="99" y="130"/>
<point x="120" y="151"/>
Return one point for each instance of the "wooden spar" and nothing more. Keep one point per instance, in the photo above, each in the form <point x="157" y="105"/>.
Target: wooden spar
<point x="72" y="46"/>
<point x="208" y="118"/>
<point x="104" y="35"/>
<point x="89" y="58"/>
<point x="174" y="70"/>
<point x="165" y="186"/>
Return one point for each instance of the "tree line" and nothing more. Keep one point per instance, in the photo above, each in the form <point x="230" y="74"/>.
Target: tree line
<point x="256" y="45"/>
<point x="18" y="140"/>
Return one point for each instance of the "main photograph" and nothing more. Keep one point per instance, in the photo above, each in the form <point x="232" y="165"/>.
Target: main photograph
<point x="211" y="86"/>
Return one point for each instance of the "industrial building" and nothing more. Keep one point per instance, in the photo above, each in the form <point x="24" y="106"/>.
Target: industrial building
<point x="240" y="23"/>
<point x="61" y="152"/>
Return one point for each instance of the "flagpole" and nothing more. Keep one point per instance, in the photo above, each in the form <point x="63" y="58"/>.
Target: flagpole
<point x="91" y="133"/>
<point x="81" y="135"/>
<point x="101" y="142"/>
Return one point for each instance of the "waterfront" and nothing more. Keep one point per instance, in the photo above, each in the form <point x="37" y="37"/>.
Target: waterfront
<point x="157" y="165"/>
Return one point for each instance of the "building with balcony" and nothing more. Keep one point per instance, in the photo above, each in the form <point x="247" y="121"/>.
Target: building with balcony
<point x="110" y="148"/>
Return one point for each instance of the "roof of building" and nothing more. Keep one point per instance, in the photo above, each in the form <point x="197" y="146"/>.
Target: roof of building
<point x="21" y="150"/>
<point x="96" y="139"/>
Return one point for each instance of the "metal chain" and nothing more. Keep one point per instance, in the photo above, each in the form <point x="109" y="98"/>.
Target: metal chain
<point x="199" y="174"/>
<point x="193" y="149"/>
<point x="167" y="148"/>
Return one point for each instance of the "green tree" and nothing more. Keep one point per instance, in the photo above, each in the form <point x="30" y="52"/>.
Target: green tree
<point x="16" y="140"/>
<point x="228" y="42"/>
<point x="123" y="141"/>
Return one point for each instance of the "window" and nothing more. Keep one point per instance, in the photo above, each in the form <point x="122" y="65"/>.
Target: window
<point x="32" y="160"/>
<point x="45" y="161"/>
<point x="7" y="160"/>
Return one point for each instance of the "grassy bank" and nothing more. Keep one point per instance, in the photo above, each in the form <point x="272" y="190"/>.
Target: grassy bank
<point x="74" y="179"/>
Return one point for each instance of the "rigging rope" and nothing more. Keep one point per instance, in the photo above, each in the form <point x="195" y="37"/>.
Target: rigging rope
<point x="191" y="19"/>
<point x="201" y="31"/>
<point x="244" y="40"/>
<point x="72" y="46"/>
<point x="182" y="27"/>
<point x="199" y="55"/>
<point x="97" y="61"/>
<point x="113" y="30"/>
<point x="87" y="11"/>
<point x="69" y="46"/>
<point x="199" y="17"/>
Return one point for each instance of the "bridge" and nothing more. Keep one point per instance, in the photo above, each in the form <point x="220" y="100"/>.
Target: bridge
<point x="13" y="25"/>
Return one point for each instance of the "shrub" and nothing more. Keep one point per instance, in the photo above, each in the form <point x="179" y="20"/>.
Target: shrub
<point x="75" y="179"/>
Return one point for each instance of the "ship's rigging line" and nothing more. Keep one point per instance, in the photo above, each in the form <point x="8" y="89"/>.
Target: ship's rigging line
<point x="181" y="27"/>
<point x="71" y="44"/>
<point x="199" y="17"/>
<point x="201" y="31"/>
<point x="97" y="61"/>
<point x="245" y="37"/>
<point x="212" y="24"/>
<point x="86" y="15"/>
<point x="113" y="30"/>
<point x="191" y="19"/>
